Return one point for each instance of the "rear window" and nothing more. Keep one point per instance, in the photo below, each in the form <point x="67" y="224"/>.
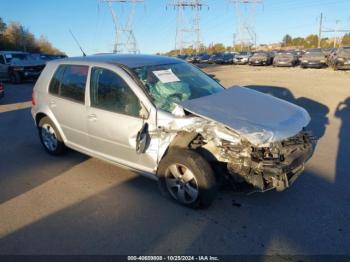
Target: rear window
<point x="69" y="82"/>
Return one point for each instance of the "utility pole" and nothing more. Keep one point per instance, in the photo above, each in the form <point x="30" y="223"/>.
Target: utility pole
<point x="125" y="40"/>
<point x="245" y="21"/>
<point x="335" y="33"/>
<point x="188" y="29"/>
<point x="335" y="30"/>
<point x="320" y="31"/>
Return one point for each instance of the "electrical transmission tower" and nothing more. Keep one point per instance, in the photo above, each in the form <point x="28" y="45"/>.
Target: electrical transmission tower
<point x="188" y="30"/>
<point x="245" y="35"/>
<point x="125" y="40"/>
<point x="334" y="30"/>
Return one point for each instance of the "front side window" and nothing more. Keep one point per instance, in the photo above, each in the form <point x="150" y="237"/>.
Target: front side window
<point x="69" y="82"/>
<point x="172" y="83"/>
<point x="110" y="92"/>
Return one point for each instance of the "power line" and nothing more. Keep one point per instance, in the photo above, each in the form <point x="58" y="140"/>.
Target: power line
<point x="125" y="40"/>
<point x="188" y="29"/>
<point x="245" y="19"/>
<point x="334" y="30"/>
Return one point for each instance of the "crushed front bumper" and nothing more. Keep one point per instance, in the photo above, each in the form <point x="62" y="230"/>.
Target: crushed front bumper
<point x="283" y="176"/>
<point x="275" y="167"/>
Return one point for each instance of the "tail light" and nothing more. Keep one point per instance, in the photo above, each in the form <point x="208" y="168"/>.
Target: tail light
<point x="33" y="98"/>
<point x="1" y="87"/>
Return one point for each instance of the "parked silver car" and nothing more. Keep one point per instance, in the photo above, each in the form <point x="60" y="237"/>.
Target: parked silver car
<point x="166" y="119"/>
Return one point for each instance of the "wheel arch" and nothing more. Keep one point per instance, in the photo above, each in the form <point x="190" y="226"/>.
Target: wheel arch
<point x="40" y="115"/>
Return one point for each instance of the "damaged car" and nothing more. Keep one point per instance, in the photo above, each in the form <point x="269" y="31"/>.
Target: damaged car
<point x="341" y="58"/>
<point x="286" y="59"/>
<point x="169" y="121"/>
<point x="313" y="58"/>
<point x="261" y="58"/>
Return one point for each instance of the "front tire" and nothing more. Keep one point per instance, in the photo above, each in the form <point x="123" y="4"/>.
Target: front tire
<point x="186" y="177"/>
<point x="50" y="137"/>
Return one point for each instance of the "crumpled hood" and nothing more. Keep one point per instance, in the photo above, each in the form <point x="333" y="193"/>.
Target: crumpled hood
<point x="258" y="117"/>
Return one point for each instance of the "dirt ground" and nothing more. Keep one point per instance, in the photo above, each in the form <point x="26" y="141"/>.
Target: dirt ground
<point x="79" y="205"/>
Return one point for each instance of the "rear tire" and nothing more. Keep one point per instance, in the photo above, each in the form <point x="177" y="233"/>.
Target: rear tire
<point x="186" y="177"/>
<point x="50" y="137"/>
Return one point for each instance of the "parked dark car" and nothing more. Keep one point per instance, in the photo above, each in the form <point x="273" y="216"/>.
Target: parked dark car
<point x="285" y="59"/>
<point x="191" y="59"/>
<point x="341" y="58"/>
<point x="216" y="58"/>
<point x="182" y="57"/>
<point x="19" y="66"/>
<point x="242" y="58"/>
<point x="313" y="58"/>
<point x="2" y="90"/>
<point x="203" y="58"/>
<point x="261" y="58"/>
<point x="228" y="59"/>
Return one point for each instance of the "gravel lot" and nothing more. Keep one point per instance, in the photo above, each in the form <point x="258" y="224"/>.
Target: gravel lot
<point x="80" y="205"/>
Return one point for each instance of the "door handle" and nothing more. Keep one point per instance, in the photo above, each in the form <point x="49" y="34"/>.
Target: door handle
<point x="92" y="117"/>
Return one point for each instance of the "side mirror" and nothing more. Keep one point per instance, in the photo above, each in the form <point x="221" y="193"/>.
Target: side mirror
<point x="142" y="139"/>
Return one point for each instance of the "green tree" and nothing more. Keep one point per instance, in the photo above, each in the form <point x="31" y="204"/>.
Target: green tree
<point x="346" y="39"/>
<point x="287" y="41"/>
<point x="311" y="41"/>
<point x="2" y="26"/>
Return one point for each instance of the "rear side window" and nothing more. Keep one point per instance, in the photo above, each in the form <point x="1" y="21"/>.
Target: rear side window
<point x="69" y="81"/>
<point x="56" y="80"/>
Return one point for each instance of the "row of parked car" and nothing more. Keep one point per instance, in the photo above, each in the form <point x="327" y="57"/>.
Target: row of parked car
<point x="18" y="66"/>
<point x="337" y="58"/>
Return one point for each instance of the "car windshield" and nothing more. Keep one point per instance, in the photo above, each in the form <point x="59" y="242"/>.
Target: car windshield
<point x="174" y="83"/>
<point x="289" y="55"/>
<point x="314" y="53"/>
<point x="15" y="57"/>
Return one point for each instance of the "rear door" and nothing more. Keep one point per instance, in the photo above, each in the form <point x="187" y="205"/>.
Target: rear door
<point x="114" y="119"/>
<point x="67" y="102"/>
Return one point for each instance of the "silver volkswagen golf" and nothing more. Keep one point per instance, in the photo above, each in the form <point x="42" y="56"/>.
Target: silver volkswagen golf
<point x="166" y="119"/>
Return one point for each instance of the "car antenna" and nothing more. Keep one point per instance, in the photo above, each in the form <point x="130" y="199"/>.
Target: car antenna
<point x="76" y="41"/>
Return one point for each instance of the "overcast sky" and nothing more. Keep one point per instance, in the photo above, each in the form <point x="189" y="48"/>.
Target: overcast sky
<point x="155" y="24"/>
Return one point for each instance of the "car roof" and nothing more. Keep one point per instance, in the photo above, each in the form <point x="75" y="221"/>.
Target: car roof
<point x="128" y="60"/>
